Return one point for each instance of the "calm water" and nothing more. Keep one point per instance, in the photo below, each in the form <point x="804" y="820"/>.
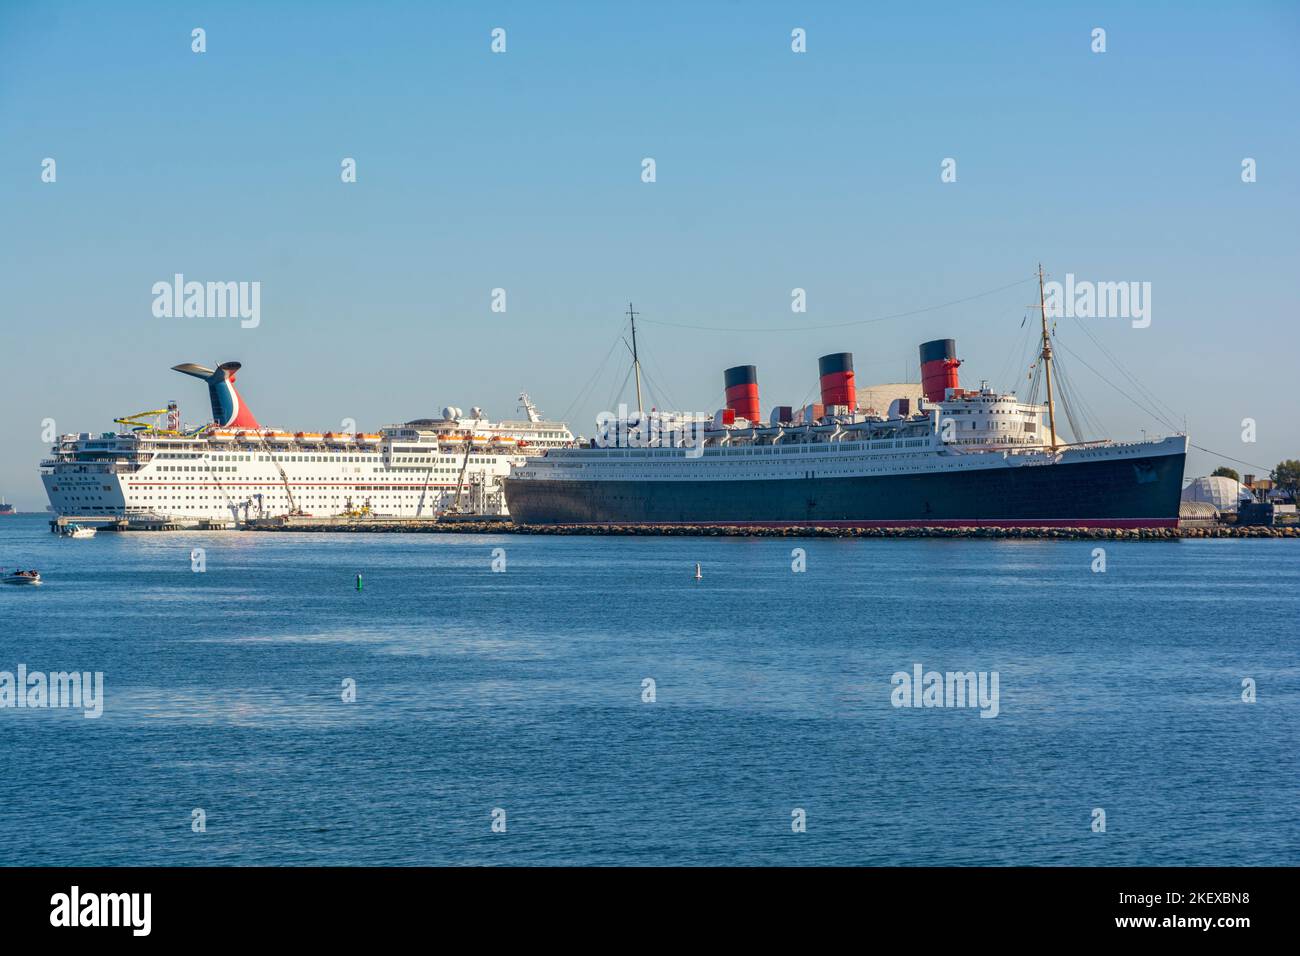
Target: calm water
<point x="523" y="691"/>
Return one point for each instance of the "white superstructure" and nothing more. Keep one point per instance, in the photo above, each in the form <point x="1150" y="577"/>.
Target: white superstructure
<point x="240" y="469"/>
<point x="968" y="430"/>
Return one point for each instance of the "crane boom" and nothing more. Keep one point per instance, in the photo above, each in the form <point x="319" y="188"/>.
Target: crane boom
<point x="284" y="478"/>
<point x="460" y="479"/>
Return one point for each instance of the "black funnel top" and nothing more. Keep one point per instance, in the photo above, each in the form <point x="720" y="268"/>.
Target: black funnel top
<point x="938" y="349"/>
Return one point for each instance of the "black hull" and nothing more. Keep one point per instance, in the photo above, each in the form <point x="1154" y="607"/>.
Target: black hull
<point x="1137" y="492"/>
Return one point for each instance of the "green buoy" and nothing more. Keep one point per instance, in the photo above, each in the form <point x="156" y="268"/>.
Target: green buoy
<point x="358" y="582"/>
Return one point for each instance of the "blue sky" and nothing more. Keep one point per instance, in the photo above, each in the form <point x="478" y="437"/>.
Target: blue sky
<point x="522" y="170"/>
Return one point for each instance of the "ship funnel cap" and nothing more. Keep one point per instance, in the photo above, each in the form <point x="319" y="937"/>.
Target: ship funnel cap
<point x="740" y="375"/>
<point x="938" y="349"/>
<point x="835" y="362"/>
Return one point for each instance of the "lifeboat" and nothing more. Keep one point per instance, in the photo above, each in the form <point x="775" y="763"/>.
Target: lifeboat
<point x="308" y="436"/>
<point x="339" y="438"/>
<point x="280" y="438"/>
<point x="368" y="439"/>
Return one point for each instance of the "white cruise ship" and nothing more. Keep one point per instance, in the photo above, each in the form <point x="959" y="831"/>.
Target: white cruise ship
<point x="235" y="468"/>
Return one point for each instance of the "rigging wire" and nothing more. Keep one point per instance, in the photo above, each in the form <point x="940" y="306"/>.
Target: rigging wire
<point x="1005" y="370"/>
<point x="1028" y="353"/>
<point x="591" y="382"/>
<point x="1155" y="406"/>
<point x="1091" y="418"/>
<point x="1077" y="411"/>
<point x="1008" y="378"/>
<point x="1138" y="404"/>
<point x="619" y="393"/>
<point x="645" y="376"/>
<point x="1150" y="396"/>
<point x="1238" y="461"/>
<point x="1067" y="405"/>
<point x="658" y="371"/>
<point x="842" y="325"/>
<point x="1036" y="379"/>
<point x="656" y="398"/>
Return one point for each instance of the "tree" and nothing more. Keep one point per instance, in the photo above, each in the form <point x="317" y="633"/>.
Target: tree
<point x="1223" y="471"/>
<point x="1286" y="476"/>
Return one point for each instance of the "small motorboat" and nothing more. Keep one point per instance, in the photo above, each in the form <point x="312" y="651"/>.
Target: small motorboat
<point x="75" y="531"/>
<point x="22" y="577"/>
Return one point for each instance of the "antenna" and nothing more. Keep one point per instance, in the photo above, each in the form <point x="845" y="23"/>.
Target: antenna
<point x="1047" y="358"/>
<point x="636" y="362"/>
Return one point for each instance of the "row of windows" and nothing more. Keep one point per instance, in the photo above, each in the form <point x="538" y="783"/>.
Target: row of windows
<point x="417" y="469"/>
<point x="411" y="500"/>
<point x="343" y="458"/>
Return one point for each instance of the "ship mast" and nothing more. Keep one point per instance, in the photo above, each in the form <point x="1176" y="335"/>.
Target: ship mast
<point x="1046" y="356"/>
<point x="636" y="362"/>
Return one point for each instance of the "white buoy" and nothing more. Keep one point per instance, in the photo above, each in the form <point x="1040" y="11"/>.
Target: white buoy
<point x="698" y="575"/>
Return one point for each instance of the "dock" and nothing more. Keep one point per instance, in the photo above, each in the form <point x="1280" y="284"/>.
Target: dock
<point x="119" y="523"/>
<point x="448" y="524"/>
<point x="501" y="524"/>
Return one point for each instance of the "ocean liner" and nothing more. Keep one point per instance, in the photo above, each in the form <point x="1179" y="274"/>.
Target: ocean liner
<point x="234" y="468"/>
<point x="952" y="457"/>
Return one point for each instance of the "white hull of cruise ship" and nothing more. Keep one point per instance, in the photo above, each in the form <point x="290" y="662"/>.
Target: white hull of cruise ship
<point x="236" y="469"/>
